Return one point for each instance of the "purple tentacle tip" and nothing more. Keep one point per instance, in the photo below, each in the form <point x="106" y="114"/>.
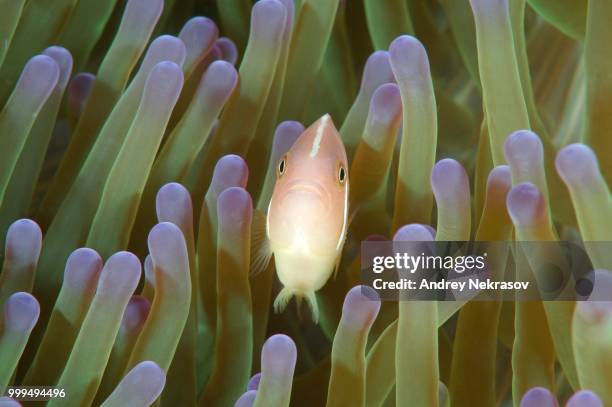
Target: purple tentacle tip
<point x="234" y="206"/>
<point x="523" y="149"/>
<point x="449" y="181"/>
<point x="413" y="233"/>
<point x="584" y="398"/>
<point x="173" y="203"/>
<point x="229" y="51"/>
<point x="120" y="274"/>
<point x="408" y="56"/>
<point x="377" y="70"/>
<point x="278" y="356"/>
<point x="285" y="135"/>
<point x="538" y="397"/>
<point x="386" y="104"/>
<point x="21" y="311"/>
<point x="23" y="241"/>
<point x="231" y="170"/>
<point x="525" y="203"/>
<point x="247" y="399"/>
<point x="82" y="268"/>
<point x="576" y="164"/>
<point x="361" y="306"/>
<point x="135" y="313"/>
<point x="254" y="382"/>
<point x="221" y="77"/>
<point x="268" y="19"/>
<point x="9" y="402"/>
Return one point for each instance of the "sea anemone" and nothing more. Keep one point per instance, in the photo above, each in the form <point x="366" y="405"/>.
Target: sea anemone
<point x="140" y="142"/>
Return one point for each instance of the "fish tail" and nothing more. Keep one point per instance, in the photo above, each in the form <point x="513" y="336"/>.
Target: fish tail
<point x="285" y="295"/>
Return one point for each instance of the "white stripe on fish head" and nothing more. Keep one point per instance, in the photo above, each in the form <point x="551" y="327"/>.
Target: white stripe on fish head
<point x="316" y="145"/>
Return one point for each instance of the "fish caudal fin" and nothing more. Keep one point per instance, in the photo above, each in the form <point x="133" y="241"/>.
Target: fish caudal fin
<point x="282" y="299"/>
<point x="261" y="252"/>
<point x="285" y="295"/>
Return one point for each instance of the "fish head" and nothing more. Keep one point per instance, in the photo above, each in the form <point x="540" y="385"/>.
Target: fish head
<point x="308" y="209"/>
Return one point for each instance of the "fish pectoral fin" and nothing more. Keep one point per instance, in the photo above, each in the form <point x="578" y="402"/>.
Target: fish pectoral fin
<point x="351" y="216"/>
<point x="337" y="265"/>
<point x="261" y="251"/>
<point x="311" y="299"/>
<point x="339" y="257"/>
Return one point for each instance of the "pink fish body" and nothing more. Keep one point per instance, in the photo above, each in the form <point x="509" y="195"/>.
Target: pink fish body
<point x="307" y="215"/>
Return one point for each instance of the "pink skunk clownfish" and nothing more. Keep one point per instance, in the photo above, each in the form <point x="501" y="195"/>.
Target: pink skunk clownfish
<point x="307" y="216"/>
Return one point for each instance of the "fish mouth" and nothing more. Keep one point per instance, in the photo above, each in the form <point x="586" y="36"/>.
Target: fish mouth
<point x="308" y="191"/>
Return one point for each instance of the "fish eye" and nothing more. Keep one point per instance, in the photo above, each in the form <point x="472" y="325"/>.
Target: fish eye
<point x="341" y="174"/>
<point x="282" y="166"/>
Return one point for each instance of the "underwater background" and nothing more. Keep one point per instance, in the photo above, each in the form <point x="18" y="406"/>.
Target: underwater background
<point x="139" y="143"/>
